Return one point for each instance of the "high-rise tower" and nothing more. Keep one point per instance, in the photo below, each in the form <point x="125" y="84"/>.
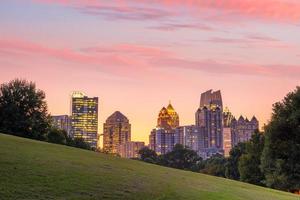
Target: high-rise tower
<point x="168" y="118"/>
<point x="209" y="115"/>
<point x="116" y="131"/>
<point x="84" y="118"/>
<point x="162" y="139"/>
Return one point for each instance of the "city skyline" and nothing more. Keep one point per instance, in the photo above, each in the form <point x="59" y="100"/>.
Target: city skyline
<point x="136" y="56"/>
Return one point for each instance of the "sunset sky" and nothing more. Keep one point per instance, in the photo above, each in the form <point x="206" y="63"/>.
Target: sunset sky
<point x="136" y="55"/>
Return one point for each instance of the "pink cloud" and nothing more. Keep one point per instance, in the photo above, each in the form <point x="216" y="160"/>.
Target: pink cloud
<point x="178" y="26"/>
<point x="252" y="40"/>
<point x="219" y="67"/>
<point x="275" y="10"/>
<point x="132" y="60"/>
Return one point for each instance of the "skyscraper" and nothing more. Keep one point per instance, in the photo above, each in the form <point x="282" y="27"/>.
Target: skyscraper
<point x="242" y="129"/>
<point x="62" y="122"/>
<point x="209" y="115"/>
<point x="116" y="131"/>
<point x="162" y="138"/>
<point x="192" y="137"/>
<point x="168" y="118"/>
<point x="227" y="119"/>
<point x="84" y="118"/>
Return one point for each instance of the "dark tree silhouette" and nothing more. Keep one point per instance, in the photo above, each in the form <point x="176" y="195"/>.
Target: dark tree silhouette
<point x="23" y="110"/>
<point x="281" y="154"/>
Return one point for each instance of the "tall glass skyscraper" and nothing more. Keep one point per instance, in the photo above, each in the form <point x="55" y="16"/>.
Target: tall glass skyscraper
<point x="84" y="118"/>
<point x="210" y="115"/>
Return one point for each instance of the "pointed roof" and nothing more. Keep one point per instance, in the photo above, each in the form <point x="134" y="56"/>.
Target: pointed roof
<point x="170" y="107"/>
<point x="241" y="118"/>
<point x="163" y="109"/>
<point x="254" y="119"/>
<point x="117" y="116"/>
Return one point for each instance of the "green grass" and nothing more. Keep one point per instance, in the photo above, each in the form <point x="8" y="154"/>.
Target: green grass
<point x="36" y="170"/>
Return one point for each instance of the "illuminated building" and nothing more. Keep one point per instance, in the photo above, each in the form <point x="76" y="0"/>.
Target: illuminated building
<point x="62" y="122"/>
<point x="192" y="137"/>
<point x="210" y="117"/>
<point x="130" y="149"/>
<point x="162" y="139"/>
<point x="227" y="119"/>
<point x="242" y="129"/>
<point x="116" y="131"/>
<point x="168" y="118"/>
<point x="84" y="119"/>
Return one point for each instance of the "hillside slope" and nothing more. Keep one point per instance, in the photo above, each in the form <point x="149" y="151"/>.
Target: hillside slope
<point x="36" y="170"/>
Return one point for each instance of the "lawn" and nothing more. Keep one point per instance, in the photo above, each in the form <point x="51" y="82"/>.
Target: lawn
<point x="37" y="170"/>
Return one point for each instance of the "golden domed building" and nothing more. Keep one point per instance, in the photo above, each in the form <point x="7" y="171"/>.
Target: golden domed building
<point x="162" y="138"/>
<point x="168" y="118"/>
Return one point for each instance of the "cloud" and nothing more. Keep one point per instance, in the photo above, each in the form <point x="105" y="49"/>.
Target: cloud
<point x="251" y="40"/>
<point x="219" y="67"/>
<point x="135" y="60"/>
<point x="177" y="26"/>
<point x="234" y="10"/>
<point x="128" y="49"/>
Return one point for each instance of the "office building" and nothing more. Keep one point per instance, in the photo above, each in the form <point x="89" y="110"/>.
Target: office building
<point x="210" y="116"/>
<point x="191" y="137"/>
<point x="84" y="118"/>
<point x="162" y="138"/>
<point x="242" y="129"/>
<point x="62" y="122"/>
<point x="116" y="132"/>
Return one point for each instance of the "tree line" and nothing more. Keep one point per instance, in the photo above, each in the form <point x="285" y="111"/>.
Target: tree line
<point x="24" y="113"/>
<point x="270" y="158"/>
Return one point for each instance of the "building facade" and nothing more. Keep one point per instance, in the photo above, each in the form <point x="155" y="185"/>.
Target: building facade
<point x="168" y="118"/>
<point x="191" y="137"/>
<point x="162" y="138"/>
<point x="116" y="132"/>
<point x="242" y="129"/>
<point x="62" y="122"/>
<point x="227" y="119"/>
<point x="210" y="116"/>
<point x="84" y="118"/>
<point x="130" y="149"/>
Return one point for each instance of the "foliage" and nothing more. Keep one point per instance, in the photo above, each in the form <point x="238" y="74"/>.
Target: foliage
<point x="231" y="167"/>
<point x="181" y="158"/>
<point x="23" y="110"/>
<point x="57" y="136"/>
<point x="281" y="153"/>
<point x="80" y="143"/>
<point x="148" y="155"/>
<point x="215" y="166"/>
<point x="249" y="163"/>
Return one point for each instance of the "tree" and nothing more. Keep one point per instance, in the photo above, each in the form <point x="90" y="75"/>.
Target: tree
<point x="148" y="155"/>
<point x="281" y="153"/>
<point x="215" y="166"/>
<point x="231" y="167"/>
<point x="181" y="158"/>
<point x="80" y="143"/>
<point x="23" y="110"/>
<point x="57" y="136"/>
<point x="249" y="163"/>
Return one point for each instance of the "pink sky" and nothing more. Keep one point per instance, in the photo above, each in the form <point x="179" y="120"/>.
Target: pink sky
<point x="137" y="55"/>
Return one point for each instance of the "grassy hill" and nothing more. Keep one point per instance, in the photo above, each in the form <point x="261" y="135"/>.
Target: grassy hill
<point x="36" y="170"/>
